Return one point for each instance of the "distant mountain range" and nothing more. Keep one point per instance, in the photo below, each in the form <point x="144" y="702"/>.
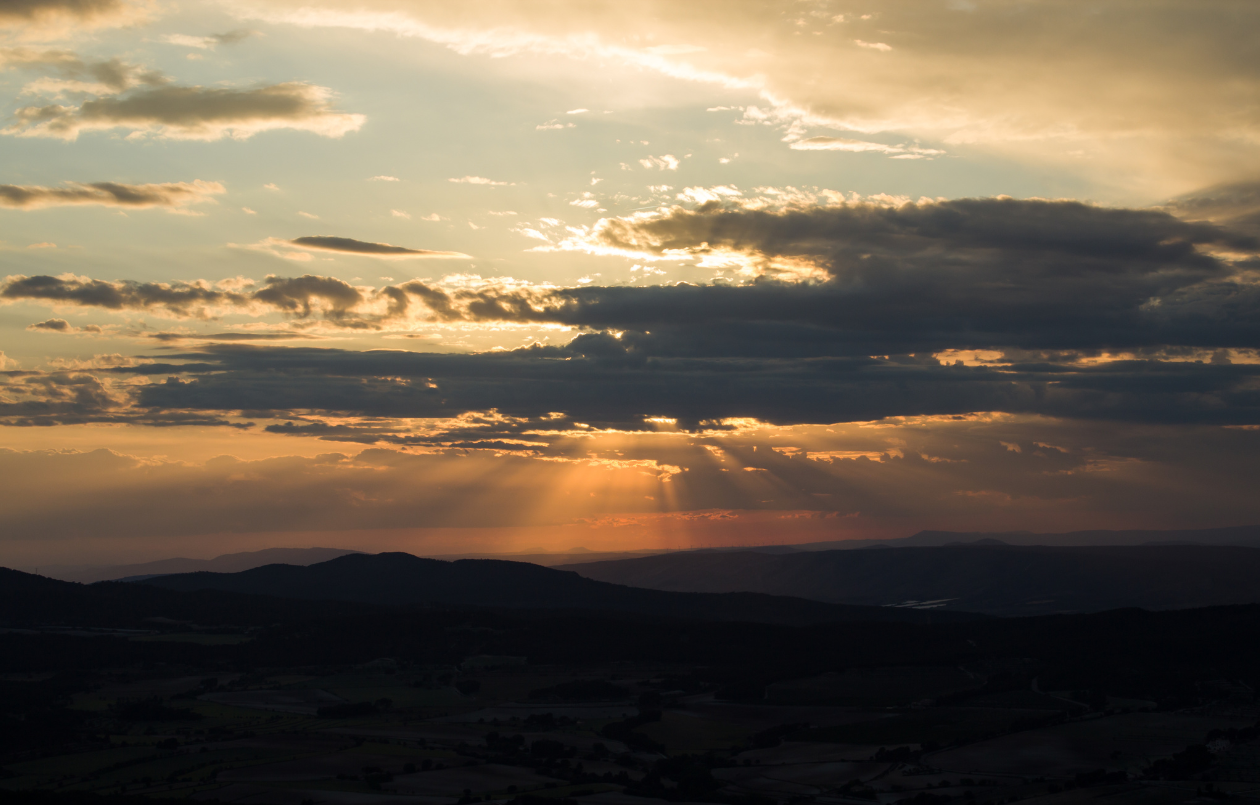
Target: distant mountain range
<point x="29" y="601"/>
<point x="552" y="558"/>
<point x="986" y="576"/>
<point x="236" y="562"/>
<point x="227" y="563"/>
<point x="1237" y="535"/>
<point x="400" y="579"/>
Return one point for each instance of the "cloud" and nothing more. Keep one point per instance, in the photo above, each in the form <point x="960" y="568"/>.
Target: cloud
<point x="74" y="75"/>
<point x="665" y="162"/>
<point x="180" y="298"/>
<point x="553" y="125"/>
<point x="384" y="179"/>
<point x="64" y="327"/>
<point x="858" y="146"/>
<point x="171" y="195"/>
<point x="847" y="311"/>
<point x="602" y="382"/>
<point x="479" y="180"/>
<point x="334" y="302"/>
<point x="853" y="279"/>
<point x="253" y="335"/>
<point x="193" y="113"/>
<point x="878" y="279"/>
<point x="1110" y="473"/>
<point x="51" y="15"/>
<point x="303" y="295"/>
<point x="209" y="42"/>
<point x="52" y="326"/>
<point x="1235" y="205"/>
<point x="299" y="297"/>
<point x="367" y="249"/>
<point x="880" y="46"/>
<point x="1174" y="112"/>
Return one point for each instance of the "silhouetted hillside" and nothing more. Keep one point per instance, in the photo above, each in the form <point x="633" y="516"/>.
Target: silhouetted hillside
<point x="400" y="579"/>
<point x="1248" y="535"/>
<point x="27" y="601"/>
<point x="227" y="563"/>
<point x="991" y="578"/>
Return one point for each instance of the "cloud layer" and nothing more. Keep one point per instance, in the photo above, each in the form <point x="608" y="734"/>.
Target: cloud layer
<point x="845" y="279"/>
<point x="110" y="194"/>
<point x="75" y="75"/>
<point x="942" y="308"/>
<point x="367" y="249"/>
<point x="57" y="15"/>
<point x="805" y="483"/>
<point x="1155" y="108"/>
<point x="193" y="113"/>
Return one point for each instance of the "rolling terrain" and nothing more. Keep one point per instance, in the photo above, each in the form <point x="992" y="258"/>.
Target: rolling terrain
<point x="139" y="692"/>
<point x="989" y="577"/>
<point x="1248" y="535"/>
<point x="400" y="579"/>
<point x="227" y="563"/>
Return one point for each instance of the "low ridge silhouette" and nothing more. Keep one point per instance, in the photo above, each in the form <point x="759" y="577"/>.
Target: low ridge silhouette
<point x="984" y="576"/>
<point x="227" y="563"/>
<point x="400" y="579"/>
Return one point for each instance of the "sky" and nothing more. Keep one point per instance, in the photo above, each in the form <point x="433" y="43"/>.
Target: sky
<point x="510" y="275"/>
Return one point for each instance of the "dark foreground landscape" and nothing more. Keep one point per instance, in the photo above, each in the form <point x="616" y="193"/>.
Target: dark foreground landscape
<point x="387" y="678"/>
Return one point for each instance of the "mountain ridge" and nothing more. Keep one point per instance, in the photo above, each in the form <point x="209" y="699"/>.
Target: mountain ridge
<point x="998" y="579"/>
<point x="228" y="562"/>
<point x="401" y="579"/>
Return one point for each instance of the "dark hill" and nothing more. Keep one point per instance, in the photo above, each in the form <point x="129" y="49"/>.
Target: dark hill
<point x="1248" y="535"/>
<point x="31" y="601"/>
<point x="227" y="563"/>
<point x="992" y="578"/>
<point x="400" y="579"/>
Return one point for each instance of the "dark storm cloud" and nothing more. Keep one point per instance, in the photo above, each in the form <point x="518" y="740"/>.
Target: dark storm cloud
<point x="76" y="397"/>
<point x="966" y="274"/>
<point x="600" y="381"/>
<point x="920" y="278"/>
<point x="1083" y="312"/>
<point x="771" y="318"/>
<point x="845" y="235"/>
<point x="1236" y="205"/>
<point x="109" y="194"/>
<point x="351" y="246"/>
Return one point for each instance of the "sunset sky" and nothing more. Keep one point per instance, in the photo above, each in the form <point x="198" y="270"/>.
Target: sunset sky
<point x="502" y="275"/>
